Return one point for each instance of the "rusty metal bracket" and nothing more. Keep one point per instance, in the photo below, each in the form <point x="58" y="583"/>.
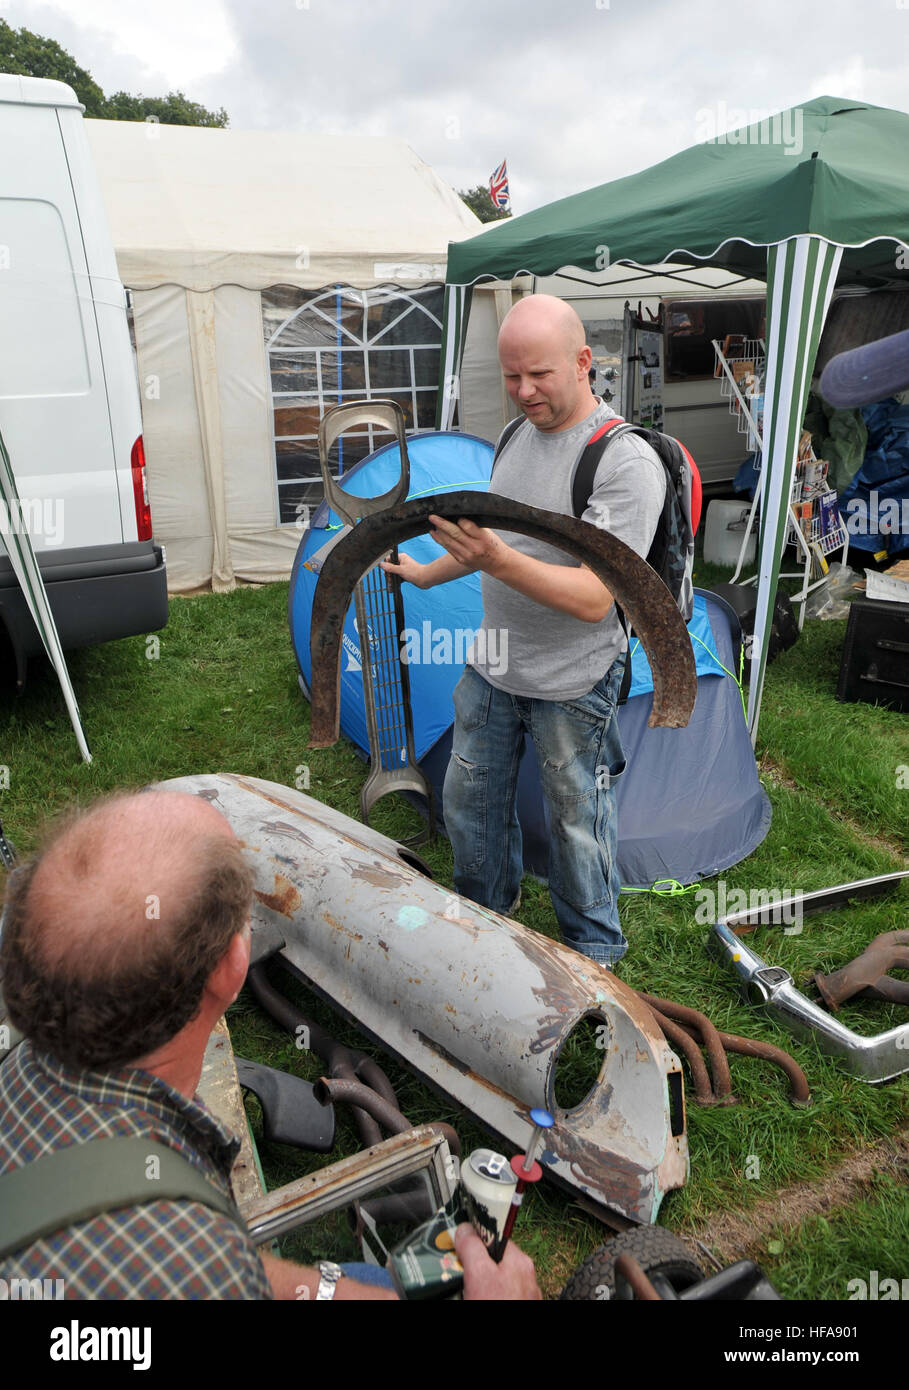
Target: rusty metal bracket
<point x="867" y="974"/>
<point x="648" y="605"/>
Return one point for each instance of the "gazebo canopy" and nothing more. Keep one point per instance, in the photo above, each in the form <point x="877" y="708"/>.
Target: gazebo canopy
<point x="814" y="196"/>
<point x="831" y="168"/>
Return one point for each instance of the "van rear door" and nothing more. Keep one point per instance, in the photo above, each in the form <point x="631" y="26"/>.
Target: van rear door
<point x="54" y="411"/>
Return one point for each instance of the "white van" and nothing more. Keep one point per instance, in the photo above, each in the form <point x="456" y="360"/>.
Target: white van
<point x="69" y="399"/>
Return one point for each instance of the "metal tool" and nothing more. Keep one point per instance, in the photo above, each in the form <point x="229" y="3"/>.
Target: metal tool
<point x="7" y="853"/>
<point x="643" y="597"/>
<point x="526" y="1169"/>
<point x="380" y="621"/>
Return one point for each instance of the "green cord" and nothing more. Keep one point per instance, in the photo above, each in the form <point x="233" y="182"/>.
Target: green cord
<point x="731" y="674"/>
<point x="674" y="889"/>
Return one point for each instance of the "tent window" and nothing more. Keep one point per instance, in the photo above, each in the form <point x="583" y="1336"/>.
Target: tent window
<point x="330" y="346"/>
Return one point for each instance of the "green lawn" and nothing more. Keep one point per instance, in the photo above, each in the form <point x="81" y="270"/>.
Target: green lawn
<point x="222" y="695"/>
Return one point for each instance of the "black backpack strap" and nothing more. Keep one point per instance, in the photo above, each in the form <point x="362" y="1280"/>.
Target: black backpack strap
<point x="586" y="467"/>
<point x="83" y="1180"/>
<point x="581" y="488"/>
<point x="626" y="674"/>
<point x="507" y="435"/>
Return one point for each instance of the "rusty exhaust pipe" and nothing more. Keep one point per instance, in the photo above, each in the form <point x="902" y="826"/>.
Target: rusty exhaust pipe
<point x="339" y="1091"/>
<point x="692" y="1030"/>
<point x="706" y="1035"/>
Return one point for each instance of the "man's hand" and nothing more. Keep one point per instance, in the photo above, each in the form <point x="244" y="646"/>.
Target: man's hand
<point x="408" y="571"/>
<point x="427" y="576"/>
<point x="474" y="547"/>
<point x="513" y="1279"/>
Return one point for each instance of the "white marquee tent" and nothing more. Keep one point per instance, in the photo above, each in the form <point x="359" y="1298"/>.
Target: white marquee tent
<point x="234" y="373"/>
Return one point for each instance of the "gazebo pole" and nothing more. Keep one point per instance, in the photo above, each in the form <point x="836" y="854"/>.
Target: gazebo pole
<point x="801" y="274"/>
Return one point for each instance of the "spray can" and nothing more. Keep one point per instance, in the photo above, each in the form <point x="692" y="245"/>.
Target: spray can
<point x="425" y="1264"/>
<point x="488" y="1185"/>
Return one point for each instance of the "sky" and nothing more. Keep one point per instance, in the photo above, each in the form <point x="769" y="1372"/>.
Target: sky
<point x="572" y="92"/>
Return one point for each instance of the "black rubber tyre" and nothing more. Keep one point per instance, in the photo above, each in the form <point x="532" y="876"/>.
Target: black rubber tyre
<point x="656" y="1250"/>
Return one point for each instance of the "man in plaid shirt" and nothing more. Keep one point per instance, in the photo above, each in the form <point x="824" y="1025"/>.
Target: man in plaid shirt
<point x="123" y="944"/>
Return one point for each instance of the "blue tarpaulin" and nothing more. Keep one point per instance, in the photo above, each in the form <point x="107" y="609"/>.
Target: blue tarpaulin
<point x="875" y="505"/>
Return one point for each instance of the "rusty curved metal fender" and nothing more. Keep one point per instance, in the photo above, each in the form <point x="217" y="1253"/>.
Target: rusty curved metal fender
<point x="648" y="605"/>
<point x="480" y="1006"/>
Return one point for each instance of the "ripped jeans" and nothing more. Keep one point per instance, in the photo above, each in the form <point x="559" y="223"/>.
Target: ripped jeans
<point x="580" y="755"/>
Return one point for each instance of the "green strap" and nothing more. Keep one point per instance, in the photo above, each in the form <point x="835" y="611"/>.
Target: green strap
<point x="81" y="1181"/>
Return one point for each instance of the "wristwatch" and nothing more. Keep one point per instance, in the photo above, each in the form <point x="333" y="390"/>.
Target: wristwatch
<point x="329" y="1274"/>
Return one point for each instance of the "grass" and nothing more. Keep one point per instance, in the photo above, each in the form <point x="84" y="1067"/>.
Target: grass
<point x="221" y="695"/>
<point x="868" y="1238"/>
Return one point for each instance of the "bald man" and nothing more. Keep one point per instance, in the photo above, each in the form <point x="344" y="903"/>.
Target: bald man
<point x="123" y="944"/>
<point x="549" y="657"/>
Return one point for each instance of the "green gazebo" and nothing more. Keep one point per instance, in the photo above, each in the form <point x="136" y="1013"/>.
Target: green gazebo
<point x="814" y="197"/>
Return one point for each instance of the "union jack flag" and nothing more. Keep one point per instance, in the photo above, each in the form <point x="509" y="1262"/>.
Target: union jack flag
<point x="498" y="188"/>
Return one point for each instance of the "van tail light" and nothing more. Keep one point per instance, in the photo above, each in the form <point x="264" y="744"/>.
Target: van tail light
<point x="140" y="491"/>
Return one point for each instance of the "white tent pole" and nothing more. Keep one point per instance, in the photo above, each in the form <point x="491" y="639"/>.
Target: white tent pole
<point x="454" y="329"/>
<point x="200" y="320"/>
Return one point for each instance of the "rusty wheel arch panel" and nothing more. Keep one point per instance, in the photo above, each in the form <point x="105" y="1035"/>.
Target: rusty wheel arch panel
<point x="478" y="1005"/>
<point x="647" y="604"/>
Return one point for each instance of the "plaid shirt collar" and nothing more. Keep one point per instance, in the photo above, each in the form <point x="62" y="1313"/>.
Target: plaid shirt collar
<point x="132" y="1088"/>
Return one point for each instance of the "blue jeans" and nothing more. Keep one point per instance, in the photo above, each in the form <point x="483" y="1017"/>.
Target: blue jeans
<point x="368" y="1274"/>
<point x="579" y="750"/>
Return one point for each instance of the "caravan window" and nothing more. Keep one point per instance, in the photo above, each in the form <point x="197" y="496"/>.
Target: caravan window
<point x="691" y="325"/>
<point x="327" y="347"/>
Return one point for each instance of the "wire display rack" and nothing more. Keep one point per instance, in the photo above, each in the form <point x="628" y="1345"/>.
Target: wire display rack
<point x="741" y="365"/>
<point x="834" y="538"/>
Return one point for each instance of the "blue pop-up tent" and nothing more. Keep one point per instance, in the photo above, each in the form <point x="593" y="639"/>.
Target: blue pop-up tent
<point x="690" y="803"/>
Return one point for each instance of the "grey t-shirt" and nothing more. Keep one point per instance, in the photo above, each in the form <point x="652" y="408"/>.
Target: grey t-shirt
<point x="523" y="647"/>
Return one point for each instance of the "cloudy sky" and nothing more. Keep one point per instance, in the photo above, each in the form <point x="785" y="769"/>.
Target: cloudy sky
<point x="573" y="92"/>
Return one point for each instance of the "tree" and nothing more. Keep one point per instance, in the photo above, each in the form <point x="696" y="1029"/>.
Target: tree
<point x="32" y="55"/>
<point x="174" y="109"/>
<point x="480" y="203"/>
